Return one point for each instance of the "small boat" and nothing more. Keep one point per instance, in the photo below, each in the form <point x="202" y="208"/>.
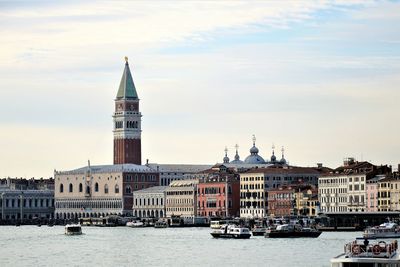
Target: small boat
<point x="160" y="224"/>
<point x="258" y="231"/>
<point x="73" y="229"/>
<point x="292" y="230"/>
<point x="135" y="224"/>
<point x="231" y="231"/>
<point x="377" y="254"/>
<point x="385" y="230"/>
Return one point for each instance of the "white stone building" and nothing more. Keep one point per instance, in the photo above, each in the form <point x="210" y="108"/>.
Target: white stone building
<point x="149" y="202"/>
<point x="181" y="199"/>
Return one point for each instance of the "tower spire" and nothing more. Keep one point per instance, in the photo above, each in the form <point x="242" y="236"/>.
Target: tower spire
<point x="127" y="122"/>
<point x="127" y="89"/>
<point x="226" y="159"/>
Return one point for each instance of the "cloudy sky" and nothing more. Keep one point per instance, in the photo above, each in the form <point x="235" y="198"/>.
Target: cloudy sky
<point x="319" y="78"/>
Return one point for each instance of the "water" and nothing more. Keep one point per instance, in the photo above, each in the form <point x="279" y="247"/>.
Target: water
<point x="124" y="246"/>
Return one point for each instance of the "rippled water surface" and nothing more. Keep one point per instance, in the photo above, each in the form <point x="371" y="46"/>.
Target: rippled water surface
<point x="123" y="246"/>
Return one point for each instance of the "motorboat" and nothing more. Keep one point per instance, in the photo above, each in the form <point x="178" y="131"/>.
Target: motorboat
<point x="258" y="230"/>
<point x="385" y="230"/>
<point x="160" y="224"/>
<point x="231" y="231"/>
<point x="292" y="230"/>
<point x="135" y="224"/>
<point x="364" y="253"/>
<point x="73" y="229"/>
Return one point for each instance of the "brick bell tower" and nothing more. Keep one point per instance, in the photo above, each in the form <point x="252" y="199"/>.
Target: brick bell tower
<point x="127" y="122"/>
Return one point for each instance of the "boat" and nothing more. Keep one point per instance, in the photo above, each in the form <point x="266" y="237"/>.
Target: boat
<point x="135" y="224"/>
<point x="231" y="231"/>
<point x="258" y="231"/>
<point x="292" y="230"/>
<point x="385" y="230"/>
<point x="73" y="229"/>
<point x="160" y="224"/>
<point x="364" y="253"/>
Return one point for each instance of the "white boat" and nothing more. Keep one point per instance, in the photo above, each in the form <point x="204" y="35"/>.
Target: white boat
<point x="160" y="224"/>
<point x="73" y="229"/>
<point x="231" y="231"/>
<point x="135" y="224"/>
<point x="385" y="230"/>
<point x="364" y="253"/>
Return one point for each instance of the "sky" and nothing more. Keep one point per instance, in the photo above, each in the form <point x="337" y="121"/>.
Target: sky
<point x="320" y="79"/>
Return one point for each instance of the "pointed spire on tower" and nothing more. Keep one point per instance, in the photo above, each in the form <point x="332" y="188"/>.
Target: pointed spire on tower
<point x="127" y="89"/>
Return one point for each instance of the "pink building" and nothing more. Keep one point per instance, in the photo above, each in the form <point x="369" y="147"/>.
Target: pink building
<point x="372" y="194"/>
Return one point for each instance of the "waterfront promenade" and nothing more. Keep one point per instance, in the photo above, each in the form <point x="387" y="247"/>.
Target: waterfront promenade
<point x="124" y="246"/>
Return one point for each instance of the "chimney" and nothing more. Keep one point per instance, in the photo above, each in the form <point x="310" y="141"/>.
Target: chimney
<point x="319" y="165"/>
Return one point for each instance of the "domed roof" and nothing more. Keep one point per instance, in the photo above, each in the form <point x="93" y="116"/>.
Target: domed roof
<point x="254" y="150"/>
<point x="273" y="158"/>
<point x="283" y="161"/>
<point x="237" y="157"/>
<point x="254" y="159"/>
<point x="226" y="159"/>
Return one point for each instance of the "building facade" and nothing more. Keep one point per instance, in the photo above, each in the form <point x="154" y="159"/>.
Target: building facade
<point x="149" y="202"/>
<point x="181" y="198"/>
<point x="218" y="193"/>
<point x="95" y="191"/>
<point x="345" y="188"/>
<point x="26" y="205"/>
<point x="256" y="183"/>
<point x="127" y="122"/>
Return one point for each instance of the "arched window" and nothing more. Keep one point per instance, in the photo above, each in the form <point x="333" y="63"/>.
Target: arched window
<point x="128" y="189"/>
<point x="80" y="187"/>
<point x="61" y="188"/>
<point x="116" y="189"/>
<point x="71" y="188"/>
<point x="106" y="189"/>
<point x="87" y="189"/>
<point x="96" y="187"/>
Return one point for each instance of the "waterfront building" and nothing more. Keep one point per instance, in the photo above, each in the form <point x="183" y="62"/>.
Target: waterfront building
<point x="384" y="194"/>
<point x="306" y="198"/>
<point x="173" y="172"/>
<point x="127" y="122"/>
<point x="344" y="189"/>
<point x="149" y="202"/>
<point x="372" y="194"/>
<point x="256" y="183"/>
<point x="181" y="198"/>
<point x="95" y="191"/>
<point x="23" y="205"/>
<point x="218" y="192"/>
<point x="395" y="194"/>
<point x="281" y="201"/>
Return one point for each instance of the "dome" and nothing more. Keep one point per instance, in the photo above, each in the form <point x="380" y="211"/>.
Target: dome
<point x="254" y="159"/>
<point x="226" y="159"/>
<point x="254" y="150"/>
<point x="273" y="158"/>
<point x="283" y="161"/>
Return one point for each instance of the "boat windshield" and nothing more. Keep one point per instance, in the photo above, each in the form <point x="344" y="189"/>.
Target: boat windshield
<point x="74" y="229"/>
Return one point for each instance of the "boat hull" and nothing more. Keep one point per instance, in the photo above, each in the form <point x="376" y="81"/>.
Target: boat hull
<point x="292" y="234"/>
<point x="258" y="233"/>
<point x="234" y="236"/>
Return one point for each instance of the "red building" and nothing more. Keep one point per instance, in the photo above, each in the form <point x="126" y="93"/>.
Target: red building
<point x="218" y="192"/>
<point x="127" y="122"/>
<point x="281" y="201"/>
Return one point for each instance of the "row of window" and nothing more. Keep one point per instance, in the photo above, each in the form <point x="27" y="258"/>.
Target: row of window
<point x="153" y="201"/>
<point x="88" y="205"/>
<point x="143" y="178"/>
<point x="28" y="203"/>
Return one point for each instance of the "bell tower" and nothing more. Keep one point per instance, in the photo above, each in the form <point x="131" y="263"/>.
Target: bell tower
<point x="127" y="122"/>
